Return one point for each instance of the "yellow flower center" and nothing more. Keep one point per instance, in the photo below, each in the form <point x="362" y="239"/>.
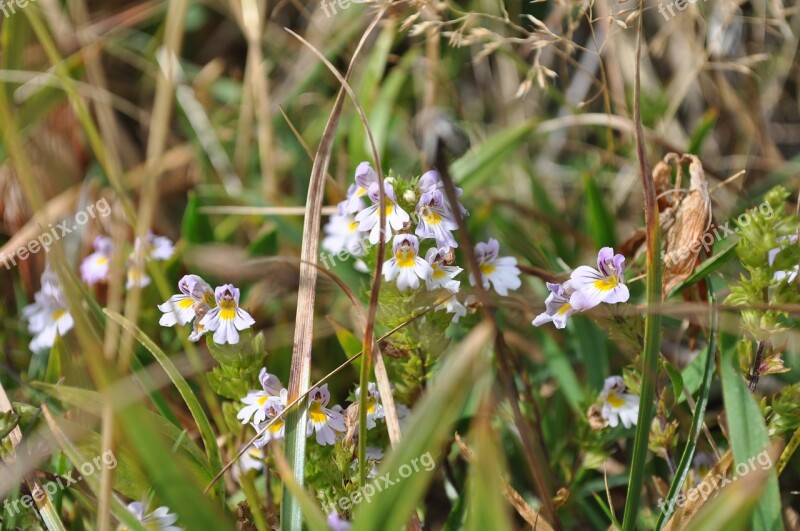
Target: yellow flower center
<point x="607" y="284"/>
<point x="228" y="310"/>
<point x="101" y="260"/>
<point x="185" y="303"/>
<point x="564" y="309"/>
<point x="316" y="414"/>
<point x="262" y="400"/>
<point x="614" y="400"/>
<point x="438" y="272"/>
<point x="370" y="405"/>
<point x="487" y="269"/>
<point x="405" y="257"/>
<point x="276" y="426"/>
<point x="432" y="218"/>
<point x="58" y="314"/>
<point x="353" y="226"/>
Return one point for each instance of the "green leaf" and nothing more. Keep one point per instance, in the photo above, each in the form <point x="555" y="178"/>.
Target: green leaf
<point x="428" y="428"/>
<point x="562" y="371"/>
<point x="196" y="227"/>
<point x="55" y="364"/>
<point x="264" y="245"/>
<point x="674" y="377"/>
<point x="486" y="508"/>
<point x="748" y="432"/>
<point x="601" y="222"/>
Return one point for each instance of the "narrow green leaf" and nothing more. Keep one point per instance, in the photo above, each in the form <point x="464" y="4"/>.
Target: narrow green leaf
<point x="196" y="227"/>
<point x="601" y="222"/>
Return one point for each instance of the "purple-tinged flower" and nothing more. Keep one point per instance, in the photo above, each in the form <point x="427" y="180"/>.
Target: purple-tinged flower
<point x="365" y="176"/>
<point x="94" y="267"/>
<point x="557" y="306"/>
<point x="256" y="402"/>
<point x="502" y="272"/>
<point x="180" y="308"/>
<point x="617" y="404"/>
<point x="604" y="284"/>
<point x="227" y="318"/>
<point x="436" y="220"/>
<point x="322" y="420"/>
<point x="369" y="218"/>
<point x="406" y="265"/>
<point x="273" y="409"/>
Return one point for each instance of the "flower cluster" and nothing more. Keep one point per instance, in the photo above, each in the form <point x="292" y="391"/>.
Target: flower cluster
<point x="194" y="303"/>
<point x="431" y="220"/>
<point x="263" y="408"/>
<point x="95" y="267"/>
<point x="48" y="316"/>
<point x="160" y="519"/>
<point x="586" y="288"/>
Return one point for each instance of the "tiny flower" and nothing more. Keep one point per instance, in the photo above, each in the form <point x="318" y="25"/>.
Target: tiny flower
<point x="409" y="196"/>
<point x="180" y="308"/>
<point x="256" y="401"/>
<point x="160" y="519"/>
<point x="275" y="431"/>
<point x="154" y="247"/>
<point x="436" y="220"/>
<point x="136" y="276"/>
<point x="326" y="422"/>
<point x="369" y="218"/>
<point x="406" y="266"/>
<point x="557" y="307"/>
<point x="790" y="274"/>
<point x="227" y="317"/>
<point x="342" y="234"/>
<point x="374" y="407"/>
<point x="251" y="459"/>
<point x="337" y="523"/>
<point x="453" y="306"/>
<point x="373" y="456"/>
<point x="604" y="284"/>
<point x="365" y="176"/>
<point x="94" y="267"/>
<point x="502" y="272"/>
<point x="431" y="181"/>
<point x="617" y="404"/>
<point x="441" y="276"/>
<point x="48" y="316"/>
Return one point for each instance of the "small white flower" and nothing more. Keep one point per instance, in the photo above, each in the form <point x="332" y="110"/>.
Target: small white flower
<point x="180" y="308"/>
<point x="373" y="456"/>
<point x="374" y="406"/>
<point x="617" y="404"/>
<point x="154" y="247"/>
<point x="436" y="220"/>
<point x="365" y="176"/>
<point x="322" y="420"/>
<point x="159" y="520"/>
<point x="136" y="276"/>
<point x="227" y="317"/>
<point x="557" y="307"/>
<point x="604" y="284"/>
<point x="369" y="218"/>
<point x="276" y="430"/>
<point x="342" y="234"/>
<point x="441" y="276"/>
<point x="48" y="316"/>
<point x="789" y="274"/>
<point x="405" y="265"/>
<point x="431" y="181"/>
<point x="94" y="267"/>
<point x="256" y="401"/>
<point x="251" y="459"/>
<point x="452" y="305"/>
<point x="502" y="272"/>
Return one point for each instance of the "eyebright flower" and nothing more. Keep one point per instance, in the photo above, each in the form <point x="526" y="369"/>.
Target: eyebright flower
<point x="48" y="316"/>
<point x="406" y="266"/>
<point x="227" y="317"/>
<point x="180" y="308"/>
<point x="94" y="267"/>
<point x="557" y="306"/>
<point x="342" y="234"/>
<point x="431" y="181"/>
<point x="604" y="284"/>
<point x="273" y="408"/>
<point x="326" y="422"/>
<point x="256" y="401"/>
<point x="374" y="407"/>
<point x="337" y="523"/>
<point x="152" y="247"/>
<point x="452" y="305"/>
<point x="251" y="459"/>
<point x="502" y="272"/>
<point x="365" y="176"/>
<point x="441" y="276"/>
<point x="373" y="456"/>
<point x="160" y="519"/>
<point x="436" y="220"/>
<point x="369" y="218"/>
<point x="617" y="404"/>
<point x="790" y="274"/>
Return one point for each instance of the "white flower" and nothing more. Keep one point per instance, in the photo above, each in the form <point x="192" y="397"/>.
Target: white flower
<point x="373" y="456"/>
<point x="256" y="401"/>
<point x="227" y="317"/>
<point x="452" y="305"/>
<point x="441" y="276"/>
<point x="502" y="272"/>
<point x="405" y="265"/>
<point x="159" y="520"/>
<point x="251" y="459"/>
<point x="136" y="276"/>
<point x="342" y="234"/>
<point x="337" y="523"/>
<point x="365" y="176"/>
<point x="374" y="407"/>
<point x="431" y="181"/>
<point x="369" y="218"/>
<point x="274" y="408"/>
<point x="94" y="267"/>
<point x="617" y="404"/>
<point x="180" y="308"/>
<point x="326" y="422"/>
<point x="557" y="306"/>
<point x="604" y="284"/>
<point x="436" y="220"/>
<point x="154" y="247"/>
<point x="789" y="274"/>
<point x="48" y="316"/>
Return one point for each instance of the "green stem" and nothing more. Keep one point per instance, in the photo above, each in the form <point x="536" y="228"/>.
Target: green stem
<point x="249" y="488"/>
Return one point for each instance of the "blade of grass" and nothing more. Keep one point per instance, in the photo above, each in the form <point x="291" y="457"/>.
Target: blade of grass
<point x="652" y="333"/>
